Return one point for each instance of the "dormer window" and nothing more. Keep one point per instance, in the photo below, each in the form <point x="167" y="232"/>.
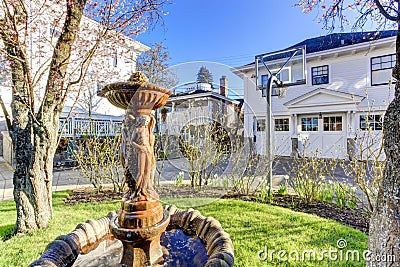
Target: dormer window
<point x="320" y="75"/>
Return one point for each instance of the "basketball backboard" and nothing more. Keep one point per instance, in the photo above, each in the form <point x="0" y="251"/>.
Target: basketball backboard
<point x="287" y="65"/>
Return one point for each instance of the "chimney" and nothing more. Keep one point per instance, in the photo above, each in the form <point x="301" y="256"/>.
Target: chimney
<point x="223" y="86"/>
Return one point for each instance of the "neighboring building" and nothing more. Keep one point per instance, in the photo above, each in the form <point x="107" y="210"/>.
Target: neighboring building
<point x="345" y="95"/>
<point x="201" y="105"/>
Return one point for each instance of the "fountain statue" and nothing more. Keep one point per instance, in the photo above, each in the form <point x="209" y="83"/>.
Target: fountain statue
<point x="149" y="233"/>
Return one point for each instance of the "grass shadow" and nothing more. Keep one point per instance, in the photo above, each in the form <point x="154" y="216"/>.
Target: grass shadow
<point x="6" y="232"/>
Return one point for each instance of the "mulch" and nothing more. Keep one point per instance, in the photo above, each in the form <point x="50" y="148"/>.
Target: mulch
<point x="350" y="217"/>
<point x="86" y="195"/>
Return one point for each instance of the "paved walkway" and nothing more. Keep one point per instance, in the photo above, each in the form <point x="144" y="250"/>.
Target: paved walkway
<point x="63" y="179"/>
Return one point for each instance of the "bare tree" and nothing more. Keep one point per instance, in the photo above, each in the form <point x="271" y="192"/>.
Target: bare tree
<point x="87" y="98"/>
<point x="154" y="64"/>
<point x="384" y="237"/>
<point x="43" y="78"/>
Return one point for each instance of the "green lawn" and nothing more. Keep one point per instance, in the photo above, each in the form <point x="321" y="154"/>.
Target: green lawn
<point x="252" y="226"/>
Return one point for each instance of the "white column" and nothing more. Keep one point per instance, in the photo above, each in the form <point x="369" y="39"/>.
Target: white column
<point x="294" y="125"/>
<point x="348" y="123"/>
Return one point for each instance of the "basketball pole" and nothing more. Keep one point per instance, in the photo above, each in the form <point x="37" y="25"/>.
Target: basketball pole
<point x="267" y="93"/>
<point x="269" y="149"/>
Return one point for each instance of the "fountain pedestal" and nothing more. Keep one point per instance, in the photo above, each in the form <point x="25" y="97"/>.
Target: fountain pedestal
<point x="139" y="226"/>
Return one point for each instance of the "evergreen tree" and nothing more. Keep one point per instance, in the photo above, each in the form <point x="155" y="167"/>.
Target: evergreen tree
<point x="204" y="76"/>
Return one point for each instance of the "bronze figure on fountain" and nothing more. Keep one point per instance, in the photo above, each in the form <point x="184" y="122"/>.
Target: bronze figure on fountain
<point x="137" y="146"/>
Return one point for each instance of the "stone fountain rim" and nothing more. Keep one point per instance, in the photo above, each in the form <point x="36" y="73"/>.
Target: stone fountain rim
<point x="64" y="250"/>
<point x="131" y="86"/>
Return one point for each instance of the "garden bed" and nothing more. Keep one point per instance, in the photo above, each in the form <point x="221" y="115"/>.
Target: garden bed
<point x="350" y="217"/>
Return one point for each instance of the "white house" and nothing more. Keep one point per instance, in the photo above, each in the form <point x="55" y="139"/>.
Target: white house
<point x="346" y="91"/>
<point x="114" y="60"/>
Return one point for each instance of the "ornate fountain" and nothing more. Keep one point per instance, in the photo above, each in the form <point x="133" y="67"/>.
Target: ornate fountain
<point x="147" y="231"/>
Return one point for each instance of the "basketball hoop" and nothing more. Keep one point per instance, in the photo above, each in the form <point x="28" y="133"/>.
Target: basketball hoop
<point x="288" y="66"/>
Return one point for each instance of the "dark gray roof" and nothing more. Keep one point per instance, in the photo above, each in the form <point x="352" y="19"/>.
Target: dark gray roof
<point x="198" y="93"/>
<point x="336" y="40"/>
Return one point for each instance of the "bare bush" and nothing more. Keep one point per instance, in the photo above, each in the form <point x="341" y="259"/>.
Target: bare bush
<point x="98" y="160"/>
<point x="249" y="173"/>
<point x="162" y="150"/>
<point x="205" y="147"/>
<point x="309" y="172"/>
<point x="366" y="169"/>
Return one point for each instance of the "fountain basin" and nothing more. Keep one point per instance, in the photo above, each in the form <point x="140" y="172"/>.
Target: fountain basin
<point x="146" y="96"/>
<point x="190" y="240"/>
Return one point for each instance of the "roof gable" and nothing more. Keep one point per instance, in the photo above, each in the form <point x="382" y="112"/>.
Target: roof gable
<point x="323" y="97"/>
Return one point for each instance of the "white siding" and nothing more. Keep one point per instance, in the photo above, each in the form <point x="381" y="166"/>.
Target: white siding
<point x="349" y="72"/>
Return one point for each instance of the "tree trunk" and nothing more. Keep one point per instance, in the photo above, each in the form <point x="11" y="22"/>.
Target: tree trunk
<point x="35" y="135"/>
<point x="384" y="232"/>
<point x="33" y="177"/>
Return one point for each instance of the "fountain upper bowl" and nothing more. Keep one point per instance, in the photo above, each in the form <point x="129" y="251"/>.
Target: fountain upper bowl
<point x="145" y="96"/>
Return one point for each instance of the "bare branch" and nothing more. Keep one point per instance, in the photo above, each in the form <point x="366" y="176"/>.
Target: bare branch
<point x="383" y="11"/>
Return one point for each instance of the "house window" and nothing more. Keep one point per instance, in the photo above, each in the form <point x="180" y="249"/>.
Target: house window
<point x="281" y="125"/>
<point x="381" y="69"/>
<point x="333" y="124"/>
<point x="3" y="69"/>
<point x="264" y="80"/>
<point x="261" y="125"/>
<point x="309" y="124"/>
<point x="3" y="74"/>
<point x="54" y="32"/>
<point x="100" y="85"/>
<point x="371" y="122"/>
<point x="115" y="58"/>
<point x="320" y="75"/>
<point x="283" y="76"/>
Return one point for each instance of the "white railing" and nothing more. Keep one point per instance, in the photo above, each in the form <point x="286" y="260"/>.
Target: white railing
<point x="76" y="127"/>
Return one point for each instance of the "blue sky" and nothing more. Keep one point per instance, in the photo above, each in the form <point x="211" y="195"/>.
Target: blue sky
<point x="229" y="33"/>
